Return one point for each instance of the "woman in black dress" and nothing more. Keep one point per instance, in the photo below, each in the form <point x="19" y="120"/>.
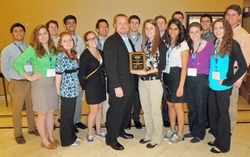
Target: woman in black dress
<point x="92" y="80"/>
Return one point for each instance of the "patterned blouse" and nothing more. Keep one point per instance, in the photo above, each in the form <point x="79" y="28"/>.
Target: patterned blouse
<point x="69" y="70"/>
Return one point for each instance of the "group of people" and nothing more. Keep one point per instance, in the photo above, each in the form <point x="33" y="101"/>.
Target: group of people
<point x="202" y="66"/>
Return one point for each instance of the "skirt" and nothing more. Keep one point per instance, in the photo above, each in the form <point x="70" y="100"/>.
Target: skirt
<point x="172" y="80"/>
<point x="95" y="95"/>
<point x="43" y="94"/>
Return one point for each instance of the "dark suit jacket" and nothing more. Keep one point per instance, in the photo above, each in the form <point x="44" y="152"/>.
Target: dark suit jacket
<point x="117" y="65"/>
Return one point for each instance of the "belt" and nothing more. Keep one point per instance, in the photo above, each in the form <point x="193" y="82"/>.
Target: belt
<point x="24" y="80"/>
<point x="149" y="78"/>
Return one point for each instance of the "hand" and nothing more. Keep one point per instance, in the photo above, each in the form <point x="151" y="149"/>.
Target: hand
<point x="220" y="82"/>
<point x="138" y="72"/>
<point x="237" y="84"/>
<point x="179" y="92"/>
<point x="119" y="92"/>
<point x="58" y="91"/>
<point x="35" y="76"/>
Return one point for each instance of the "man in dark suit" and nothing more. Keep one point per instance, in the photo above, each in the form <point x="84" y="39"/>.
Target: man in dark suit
<point x="120" y="82"/>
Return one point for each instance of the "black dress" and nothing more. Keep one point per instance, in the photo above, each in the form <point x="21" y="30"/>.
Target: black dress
<point x="95" y="85"/>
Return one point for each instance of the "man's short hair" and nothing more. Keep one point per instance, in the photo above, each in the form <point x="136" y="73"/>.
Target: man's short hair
<point x="119" y="15"/>
<point x="178" y="13"/>
<point x="234" y="7"/>
<point x="134" y="17"/>
<point x="52" y="21"/>
<point x="208" y="16"/>
<point x="17" y="25"/>
<point x="68" y="17"/>
<point x="99" y="21"/>
<point x="160" y="17"/>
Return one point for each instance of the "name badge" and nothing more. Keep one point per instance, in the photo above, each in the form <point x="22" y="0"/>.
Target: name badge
<point x="51" y="72"/>
<point x="216" y="75"/>
<point x="192" y="72"/>
<point x="167" y="69"/>
<point x="28" y="68"/>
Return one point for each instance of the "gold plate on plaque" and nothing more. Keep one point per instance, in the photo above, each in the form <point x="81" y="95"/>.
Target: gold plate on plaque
<point x="137" y="61"/>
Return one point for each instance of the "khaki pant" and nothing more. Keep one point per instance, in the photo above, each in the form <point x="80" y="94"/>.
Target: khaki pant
<point x="233" y="107"/>
<point x="151" y="96"/>
<point x="20" y="94"/>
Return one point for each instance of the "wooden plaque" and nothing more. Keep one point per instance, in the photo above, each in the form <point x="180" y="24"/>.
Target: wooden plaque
<point x="137" y="61"/>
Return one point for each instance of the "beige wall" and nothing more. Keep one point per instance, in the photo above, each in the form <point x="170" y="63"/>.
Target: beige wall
<point x="31" y="13"/>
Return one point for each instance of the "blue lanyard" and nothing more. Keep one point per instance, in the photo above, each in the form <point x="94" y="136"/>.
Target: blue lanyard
<point x="136" y="41"/>
<point x="18" y="47"/>
<point x="194" y="54"/>
<point x="50" y="60"/>
<point x="208" y="34"/>
<point x="76" y="42"/>
<point x="216" y="54"/>
<point x="170" y="49"/>
<point x="99" y="41"/>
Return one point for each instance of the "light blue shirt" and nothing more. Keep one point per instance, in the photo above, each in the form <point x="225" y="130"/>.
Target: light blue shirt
<point x="127" y="43"/>
<point x="79" y="45"/>
<point x="137" y="41"/>
<point x="101" y="43"/>
<point x="9" y="54"/>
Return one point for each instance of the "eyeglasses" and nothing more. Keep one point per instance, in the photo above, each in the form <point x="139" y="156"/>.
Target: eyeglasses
<point x="71" y="23"/>
<point x="92" y="39"/>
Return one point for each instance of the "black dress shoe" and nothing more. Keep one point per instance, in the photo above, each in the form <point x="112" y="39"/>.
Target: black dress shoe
<point x="76" y="130"/>
<point x="129" y="125"/>
<point x="166" y="124"/>
<point x="80" y="125"/>
<point x="20" y="140"/>
<point x="150" y="145"/>
<point x="127" y="136"/>
<point x="142" y="141"/>
<point x="213" y="150"/>
<point x="116" y="146"/>
<point x="138" y="124"/>
<point x="211" y="143"/>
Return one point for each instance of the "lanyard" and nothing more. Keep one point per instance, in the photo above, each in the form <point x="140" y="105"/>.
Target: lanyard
<point x="100" y="43"/>
<point x="50" y="60"/>
<point x="216" y="54"/>
<point x="18" y="47"/>
<point x="76" y="42"/>
<point x="170" y="49"/>
<point x="136" y="41"/>
<point x="194" y="54"/>
<point x="208" y="34"/>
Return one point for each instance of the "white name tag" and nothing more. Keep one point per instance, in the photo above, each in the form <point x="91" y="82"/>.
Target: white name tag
<point x="51" y="72"/>
<point x="28" y="68"/>
<point x="167" y="69"/>
<point x="216" y="75"/>
<point x="192" y="72"/>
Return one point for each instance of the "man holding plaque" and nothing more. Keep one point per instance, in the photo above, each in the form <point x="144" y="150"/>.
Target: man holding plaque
<point x="120" y="82"/>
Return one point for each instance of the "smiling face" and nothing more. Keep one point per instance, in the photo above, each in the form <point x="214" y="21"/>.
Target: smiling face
<point x="195" y="33"/>
<point x="150" y="31"/>
<point x="121" y="25"/>
<point x="53" y="29"/>
<point x="91" y="40"/>
<point x="173" y="31"/>
<point x="219" y="30"/>
<point x="18" y="34"/>
<point x="70" y="25"/>
<point x="161" y="23"/>
<point x="134" y="25"/>
<point x="67" y="42"/>
<point x="205" y="24"/>
<point x="232" y="17"/>
<point x="103" y="29"/>
<point x="43" y="36"/>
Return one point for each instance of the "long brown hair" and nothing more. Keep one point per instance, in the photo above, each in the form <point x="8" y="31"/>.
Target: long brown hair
<point x="40" y="50"/>
<point x="227" y="39"/>
<point x="157" y="37"/>
<point x="73" y="54"/>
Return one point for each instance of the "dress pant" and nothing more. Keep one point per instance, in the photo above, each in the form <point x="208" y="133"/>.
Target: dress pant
<point x="67" y="132"/>
<point x="151" y="97"/>
<point x="118" y="116"/>
<point x="78" y="108"/>
<point x="196" y="91"/>
<point x="20" y="92"/>
<point x="219" y="118"/>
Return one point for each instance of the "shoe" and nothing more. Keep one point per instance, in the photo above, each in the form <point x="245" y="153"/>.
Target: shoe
<point x="209" y="131"/>
<point x="80" y="125"/>
<point x="116" y="146"/>
<point x="213" y="150"/>
<point x="76" y="143"/>
<point x="211" y="143"/>
<point x="55" y="142"/>
<point x="149" y="145"/>
<point x="138" y="124"/>
<point x="127" y="136"/>
<point x="101" y="135"/>
<point x="175" y="139"/>
<point x="129" y="125"/>
<point x="142" y="141"/>
<point x="195" y="140"/>
<point x="166" y="124"/>
<point x="20" y="140"/>
<point x="90" y="139"/>
<point x="189" y="135"/>
<point x="79" y="139"/>
<point x="169" y="135"/>
<point x="76" y="130"/>
<point x="34" y="132"/>
<point x="50" y="146"/>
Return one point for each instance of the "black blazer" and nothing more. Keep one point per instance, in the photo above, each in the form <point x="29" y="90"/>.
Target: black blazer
<point x="117" y="65"/>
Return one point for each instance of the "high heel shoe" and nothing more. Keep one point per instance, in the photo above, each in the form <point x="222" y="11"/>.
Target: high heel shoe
<point x="50" y="146"/>
<point x="55" y="142"/>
